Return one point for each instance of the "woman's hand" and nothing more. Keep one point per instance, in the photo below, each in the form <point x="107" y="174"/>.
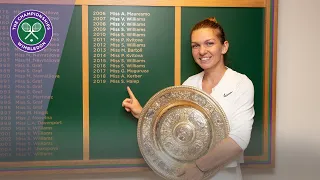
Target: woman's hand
<point x="191" y="172"/>
<point x="132" y="104"/>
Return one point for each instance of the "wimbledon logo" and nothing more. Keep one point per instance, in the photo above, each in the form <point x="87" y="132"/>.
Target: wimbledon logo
<point x="31" y="31"/>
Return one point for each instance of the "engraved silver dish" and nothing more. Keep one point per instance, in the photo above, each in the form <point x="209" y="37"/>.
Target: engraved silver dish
<point x="178" y="125"/>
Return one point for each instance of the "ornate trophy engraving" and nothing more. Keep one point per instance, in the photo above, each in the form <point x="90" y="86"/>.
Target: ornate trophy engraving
<point x="178" y="125"/>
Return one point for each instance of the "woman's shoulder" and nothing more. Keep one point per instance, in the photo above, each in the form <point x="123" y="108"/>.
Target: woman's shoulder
<point x="194" y="79"/>
<point x="240" y="81"/>
<point x="238" y="77"/>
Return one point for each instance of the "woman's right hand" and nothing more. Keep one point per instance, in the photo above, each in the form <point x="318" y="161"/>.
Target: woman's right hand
<point x="132" y="104"/>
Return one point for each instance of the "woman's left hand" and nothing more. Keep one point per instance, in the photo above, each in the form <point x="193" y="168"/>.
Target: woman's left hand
<point x="191" y="172"/>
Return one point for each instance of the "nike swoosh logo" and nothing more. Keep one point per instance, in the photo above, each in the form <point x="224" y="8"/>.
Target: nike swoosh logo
<point x="225" y="95"/>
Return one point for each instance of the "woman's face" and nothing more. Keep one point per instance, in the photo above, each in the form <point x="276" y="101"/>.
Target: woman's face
<point x="207" y="50"/>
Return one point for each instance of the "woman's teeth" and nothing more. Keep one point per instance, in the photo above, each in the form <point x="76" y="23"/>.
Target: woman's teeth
<point x="204" y="59"/>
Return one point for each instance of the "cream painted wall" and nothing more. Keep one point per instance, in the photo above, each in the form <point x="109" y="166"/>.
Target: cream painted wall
<point x="298" y="108"/>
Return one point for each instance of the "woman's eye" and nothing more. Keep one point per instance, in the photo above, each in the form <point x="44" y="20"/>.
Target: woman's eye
<point x="195" y="46"/>
<point x="210" y="43"/>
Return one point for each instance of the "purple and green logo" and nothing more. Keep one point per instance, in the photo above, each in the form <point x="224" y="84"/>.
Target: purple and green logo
<point x="31" y="31"/>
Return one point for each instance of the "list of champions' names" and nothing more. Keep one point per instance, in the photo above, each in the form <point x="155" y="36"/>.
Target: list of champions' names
<point x="26" y="127"/>
<point x="118" y="46"/>
<point x="6" y="137"/>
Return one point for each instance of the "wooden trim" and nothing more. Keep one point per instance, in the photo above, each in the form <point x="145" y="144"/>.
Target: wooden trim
<point x="267" y="70"/>
<point x="177" y="50"/>
<point x="256" y="158"/>
<point x="257" y="166"/>
<point x="199" y="3"/>
<point x="70" y="171"/>
<point x="274" y="80"/>
<point x="70" y="163"/>
<point x="58" y="2"/>
<point x="85" y="82"/>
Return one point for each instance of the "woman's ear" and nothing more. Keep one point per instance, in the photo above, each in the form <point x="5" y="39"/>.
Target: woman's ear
<point x="225" y="47"/>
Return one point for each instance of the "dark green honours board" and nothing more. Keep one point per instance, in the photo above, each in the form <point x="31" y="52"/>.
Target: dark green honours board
<point x="41" y="93"/>
<point x="128" y="46"/>
<point x="244" y="29"/>
<point x="68" y="88"/>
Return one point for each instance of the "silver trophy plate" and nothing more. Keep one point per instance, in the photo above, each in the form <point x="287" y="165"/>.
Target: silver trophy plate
<point x="178" y="125"/>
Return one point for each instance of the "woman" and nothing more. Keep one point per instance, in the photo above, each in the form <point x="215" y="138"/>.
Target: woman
<point x="232" y="90"/>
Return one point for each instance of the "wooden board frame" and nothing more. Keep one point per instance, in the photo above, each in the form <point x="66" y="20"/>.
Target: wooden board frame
<point x="266" y="160"/>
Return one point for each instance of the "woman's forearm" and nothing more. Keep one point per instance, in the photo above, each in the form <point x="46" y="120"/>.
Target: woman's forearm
<point x="220" y="155"/>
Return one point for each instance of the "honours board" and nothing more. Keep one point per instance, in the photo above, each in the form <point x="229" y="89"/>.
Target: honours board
<point x="244" y="29"/>
<point x="60" y="108"/>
